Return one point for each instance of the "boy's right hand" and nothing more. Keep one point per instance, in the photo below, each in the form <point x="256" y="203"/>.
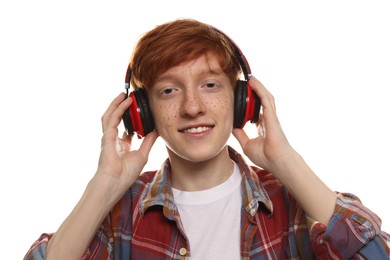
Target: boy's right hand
<point x="119" y="166"/>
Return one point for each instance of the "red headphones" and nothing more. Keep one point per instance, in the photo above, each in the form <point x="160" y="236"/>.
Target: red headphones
<point x="138" y="118"/>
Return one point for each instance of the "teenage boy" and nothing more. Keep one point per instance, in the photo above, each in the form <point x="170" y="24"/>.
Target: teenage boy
<point x="205" y="202"/>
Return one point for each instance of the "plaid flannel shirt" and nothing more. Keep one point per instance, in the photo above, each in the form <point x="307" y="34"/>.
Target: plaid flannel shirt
<point x="145" y="224"/>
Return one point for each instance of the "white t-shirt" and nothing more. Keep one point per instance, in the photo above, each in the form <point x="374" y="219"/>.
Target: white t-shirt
<point x="212" y="219"/>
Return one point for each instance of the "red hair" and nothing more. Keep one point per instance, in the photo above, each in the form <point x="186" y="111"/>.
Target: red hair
<point x="177" y="42"/>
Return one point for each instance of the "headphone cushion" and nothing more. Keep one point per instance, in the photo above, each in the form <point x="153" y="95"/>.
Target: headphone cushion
<point x="240" y="95"/>
<point x="127" y="122"/>
<point x="144" y="110"/>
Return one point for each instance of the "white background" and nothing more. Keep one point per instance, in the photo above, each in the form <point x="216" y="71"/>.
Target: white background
<point x="62" y="62"/>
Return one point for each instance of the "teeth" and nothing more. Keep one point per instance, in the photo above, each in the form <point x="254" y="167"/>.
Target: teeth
<point x="196" y="129"/>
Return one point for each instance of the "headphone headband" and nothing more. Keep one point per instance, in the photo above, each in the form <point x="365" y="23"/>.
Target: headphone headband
<point x="237" y="53"/>
<point x="127" y="80"/>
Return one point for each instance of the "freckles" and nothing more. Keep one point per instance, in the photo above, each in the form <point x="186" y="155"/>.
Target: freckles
<point x="221" y="104"/>
<point x="167" y="113"/>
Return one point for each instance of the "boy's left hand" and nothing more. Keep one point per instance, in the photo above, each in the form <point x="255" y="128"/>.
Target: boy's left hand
<point x="270" y="148"/>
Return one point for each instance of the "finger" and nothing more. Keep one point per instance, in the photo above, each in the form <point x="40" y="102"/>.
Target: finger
<point x="126" y="137"/>
<point x="267" y="102"/>
<point x="261" y="130"/>
<point x="114" y="118"/>
<point x="147" y="143"/>
<point x="266" y="98"/>
<point x="111" y="108"/>
<point x="241" y="136"/>
<point x="126" y="141"/>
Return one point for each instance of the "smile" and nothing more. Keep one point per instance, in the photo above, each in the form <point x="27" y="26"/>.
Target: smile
<point x="195" y="130"/>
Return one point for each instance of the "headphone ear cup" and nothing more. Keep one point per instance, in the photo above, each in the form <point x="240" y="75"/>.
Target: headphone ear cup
<point x="144" y="111"/>
<point x="240" y="95"/>
<point x="256" y="107"/>
<point x="138" y="118"/>
<point x="246" y="105"/>
<point x="127" y="122"/>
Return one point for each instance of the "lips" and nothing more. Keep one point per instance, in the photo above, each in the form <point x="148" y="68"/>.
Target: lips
<point x="195" y="130"/>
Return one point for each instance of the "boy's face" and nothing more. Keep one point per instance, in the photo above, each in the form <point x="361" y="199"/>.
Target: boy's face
<point x="192" y="106"/>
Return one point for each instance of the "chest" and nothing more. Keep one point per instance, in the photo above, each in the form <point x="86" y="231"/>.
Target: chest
<point x="256" y="237"/>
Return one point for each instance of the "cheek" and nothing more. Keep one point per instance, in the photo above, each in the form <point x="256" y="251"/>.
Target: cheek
<point x="165" y="114"/>
<point x="223" y="105"/>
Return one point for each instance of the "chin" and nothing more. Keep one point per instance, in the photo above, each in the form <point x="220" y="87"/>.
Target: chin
<point x="196" y="154"/>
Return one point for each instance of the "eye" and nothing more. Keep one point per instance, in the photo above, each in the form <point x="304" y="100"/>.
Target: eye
<point x="210" y="85"/>
<point x="167" y="91"/>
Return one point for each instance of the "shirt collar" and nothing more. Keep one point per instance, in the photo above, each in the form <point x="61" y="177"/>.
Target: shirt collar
<point x="159" y="191"/>
<point x="253" y="192"/>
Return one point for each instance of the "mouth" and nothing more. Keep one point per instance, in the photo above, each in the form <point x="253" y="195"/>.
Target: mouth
<point x="196" y="130"/>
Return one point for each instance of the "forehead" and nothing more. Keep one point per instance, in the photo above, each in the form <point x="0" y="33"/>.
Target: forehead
<point x="204" y="65"/>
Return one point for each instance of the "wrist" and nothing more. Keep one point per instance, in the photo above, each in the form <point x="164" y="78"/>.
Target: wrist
<point x="287" y="163"/>
<point x="305" y="187"/>
<point x="75" y="233"/>
<point x="104" y="191"/>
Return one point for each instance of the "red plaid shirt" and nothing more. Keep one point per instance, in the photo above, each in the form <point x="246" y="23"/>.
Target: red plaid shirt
<point x="145" y="224"/>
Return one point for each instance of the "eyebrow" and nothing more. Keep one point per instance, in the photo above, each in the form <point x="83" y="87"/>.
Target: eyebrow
<point x="204" y="72"/>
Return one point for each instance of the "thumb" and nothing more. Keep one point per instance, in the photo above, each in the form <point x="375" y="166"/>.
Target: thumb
<point x="147" y="143"/>
<point x="241" y="136"/>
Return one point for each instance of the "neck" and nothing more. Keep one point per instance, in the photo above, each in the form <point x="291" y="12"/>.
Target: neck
<point x="195" y="176"/>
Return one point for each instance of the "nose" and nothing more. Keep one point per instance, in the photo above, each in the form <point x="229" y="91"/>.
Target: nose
<point x="193" y="104"/>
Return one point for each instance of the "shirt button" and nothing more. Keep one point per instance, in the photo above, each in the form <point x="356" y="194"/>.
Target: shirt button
<point x="183" y="251"/>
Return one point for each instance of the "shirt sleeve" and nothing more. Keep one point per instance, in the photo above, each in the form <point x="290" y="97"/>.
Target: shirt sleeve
<point x="100" y="247"/>
<point x="107" y="241"/>
<point x="353" y="232"/>
<point x="38" y="250"/>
